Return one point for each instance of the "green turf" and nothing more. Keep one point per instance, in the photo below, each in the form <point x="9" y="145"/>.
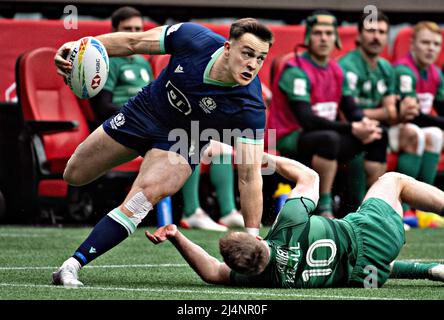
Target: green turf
<point x="138" y="270"/>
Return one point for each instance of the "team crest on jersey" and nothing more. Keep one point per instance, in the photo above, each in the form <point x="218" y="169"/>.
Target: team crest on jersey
<point x="207" y="104"/>
<point x="117" y="121"/>
<point x="382" y="88"/>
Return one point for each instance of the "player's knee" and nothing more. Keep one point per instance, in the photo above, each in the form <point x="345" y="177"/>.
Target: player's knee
<point x="73" y="175"/>
<point x="329" y="145"/>
<point x="396" y="176"/>
<point x="413" y="139"/>
<point x="433" y="137"/>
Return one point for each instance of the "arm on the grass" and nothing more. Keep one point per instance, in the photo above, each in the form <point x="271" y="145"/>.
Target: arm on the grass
<point x="206" y="266"/>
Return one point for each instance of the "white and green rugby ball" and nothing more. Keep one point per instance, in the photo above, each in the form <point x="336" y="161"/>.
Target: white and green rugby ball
<point x="90" y="67"/>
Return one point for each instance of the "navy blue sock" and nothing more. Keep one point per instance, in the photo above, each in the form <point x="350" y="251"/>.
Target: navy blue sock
<point x="108" y="232"/>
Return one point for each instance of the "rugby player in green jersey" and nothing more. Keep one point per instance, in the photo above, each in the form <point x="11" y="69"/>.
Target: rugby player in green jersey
<point x="303" y="250"/>
<point x="417" y="77"/>
<point x="371" y="80"/>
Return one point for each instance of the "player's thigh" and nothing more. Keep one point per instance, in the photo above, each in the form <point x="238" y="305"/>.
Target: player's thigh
<point x="98" y="154"/>
<point x="387" y="188"/>
<point x="161" y="174"/>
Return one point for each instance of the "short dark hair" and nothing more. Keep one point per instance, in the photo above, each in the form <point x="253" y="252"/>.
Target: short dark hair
<point x="251" y="25"/>
<point x="381" y="16"/>
<point x="123" y="13"/>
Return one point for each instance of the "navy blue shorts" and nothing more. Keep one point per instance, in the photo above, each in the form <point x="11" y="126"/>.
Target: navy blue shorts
<point x="139" y="131"/>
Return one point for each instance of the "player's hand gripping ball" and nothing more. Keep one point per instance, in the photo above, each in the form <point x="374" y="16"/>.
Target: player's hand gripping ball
<point x="90" y="67"/>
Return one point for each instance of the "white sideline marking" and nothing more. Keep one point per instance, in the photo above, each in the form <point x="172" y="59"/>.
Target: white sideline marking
<point x="229" y="292"/>
<point x="161" y="265"/>
<point x="164" y="265"/>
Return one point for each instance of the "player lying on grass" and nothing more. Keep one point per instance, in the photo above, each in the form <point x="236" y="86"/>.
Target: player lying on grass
<point x="303" y="250"/>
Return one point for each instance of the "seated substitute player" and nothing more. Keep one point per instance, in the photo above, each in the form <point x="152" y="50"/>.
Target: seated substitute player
<point x="371" y="81"/>
<point x="417" y="77"/>
<point x="303" y="250"/>
<point x="127" y="75"/>
<point x="308" y="96"/>
<point x="209" y="86"/>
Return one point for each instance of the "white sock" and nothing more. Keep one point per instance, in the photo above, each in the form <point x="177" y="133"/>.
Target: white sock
<point x="252" y="231"/>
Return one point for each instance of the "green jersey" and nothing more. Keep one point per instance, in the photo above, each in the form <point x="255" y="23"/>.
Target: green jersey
<point x="425" y="84"/>
<point x="368" y="86"/>
<point x="127" y="76"/>
<point x="306" y="251"/>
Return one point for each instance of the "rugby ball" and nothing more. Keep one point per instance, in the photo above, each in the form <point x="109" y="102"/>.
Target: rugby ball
<point x="90" y="66"/>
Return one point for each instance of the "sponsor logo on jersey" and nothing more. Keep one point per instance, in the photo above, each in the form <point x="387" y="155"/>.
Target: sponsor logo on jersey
<point x="367" y="86"/>
<point x="352" y="79"/>
<point x="117" y="121"/>
<point x="177" y="99"/>
<point x="174" y="28"/>
<point x="406" y="84"/>
<point x="382" y="88"/>
<point x="300" y="87"/>
<point x="207" y="104"/>
<point x="179" y="69"/>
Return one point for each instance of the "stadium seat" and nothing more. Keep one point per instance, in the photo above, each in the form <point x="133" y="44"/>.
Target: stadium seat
<point x="158" y="63"/>
<point x="54" y="122"/>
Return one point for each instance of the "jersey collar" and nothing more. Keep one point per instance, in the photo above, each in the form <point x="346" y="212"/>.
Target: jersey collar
<point x="206" y="76"/>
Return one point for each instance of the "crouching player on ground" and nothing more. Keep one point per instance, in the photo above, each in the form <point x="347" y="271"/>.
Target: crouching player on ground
<point x="303" y="250"/>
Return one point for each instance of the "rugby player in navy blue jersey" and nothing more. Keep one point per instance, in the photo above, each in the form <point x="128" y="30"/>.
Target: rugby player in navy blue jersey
<point x="209" y="86"/>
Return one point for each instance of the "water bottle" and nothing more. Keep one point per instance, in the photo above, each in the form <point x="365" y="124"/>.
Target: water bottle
<point x="164" y="212"/>
<point x="281" y="195"/>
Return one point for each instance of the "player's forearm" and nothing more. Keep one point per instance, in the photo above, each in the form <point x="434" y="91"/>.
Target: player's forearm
<point x="379" y="114"/>
<point x="202" y="263"/>
<point x="290" y="169"/>
<point x="121" y="44"/>
<point x="250" y="189"/>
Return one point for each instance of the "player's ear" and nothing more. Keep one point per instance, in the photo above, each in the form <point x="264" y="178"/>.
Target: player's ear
<point x="227" y="47"/>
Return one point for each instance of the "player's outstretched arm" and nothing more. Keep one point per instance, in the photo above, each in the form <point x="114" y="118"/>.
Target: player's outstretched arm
<point x="129" y="43"/>
<point x="117" y="44"/>
<point x="306" y="179"/>
<point x="206" y="266"/>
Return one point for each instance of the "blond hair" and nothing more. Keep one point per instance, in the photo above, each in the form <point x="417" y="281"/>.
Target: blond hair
<point x="243" y="253"/>
<point x="429" y="25"/>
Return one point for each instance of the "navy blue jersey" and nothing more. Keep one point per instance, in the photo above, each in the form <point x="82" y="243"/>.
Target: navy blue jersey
<point x="183" y="92"/>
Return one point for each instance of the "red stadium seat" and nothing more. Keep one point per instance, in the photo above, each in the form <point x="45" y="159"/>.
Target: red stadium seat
<point x="401" y="46"/>
<point x="158" y="63"/>
<point x="54" y="120"/>
<point x="52" y="113"/>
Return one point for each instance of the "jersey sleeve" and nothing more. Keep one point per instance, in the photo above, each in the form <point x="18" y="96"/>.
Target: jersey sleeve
<point x="405" y="81"/>
<point x="294" y="212"/>
<point x="295" y="84"/>
<point x="390" y="79"/>
<point x="351" y="78"/>
<point x="440" y="92"/>
<point x="180" y="37"/>
<point x="113" y="75"/>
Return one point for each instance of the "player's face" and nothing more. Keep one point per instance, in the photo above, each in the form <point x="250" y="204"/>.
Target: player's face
<point x="426" y="47"/>
<point x="246" y="58"/>
<point x="322" y="41"/>
<point x="374" y="38"/>
<point x="134" y="24"/>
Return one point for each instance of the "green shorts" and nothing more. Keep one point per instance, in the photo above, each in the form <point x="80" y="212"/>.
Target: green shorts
<point x="379" y="233"/>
